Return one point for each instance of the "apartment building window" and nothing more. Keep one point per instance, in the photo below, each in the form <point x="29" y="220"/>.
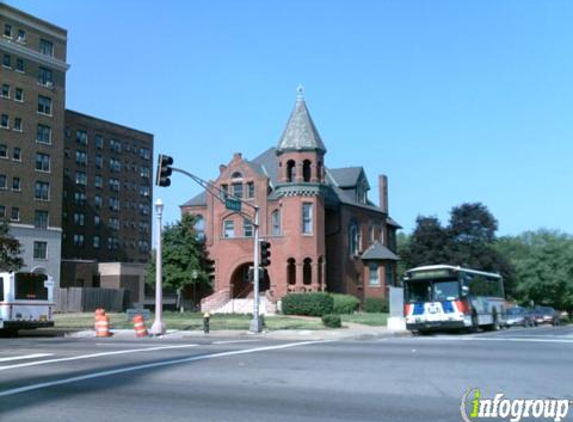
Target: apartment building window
<point x="81" y="137"/>
<point x="40" y="250"/>
<point x="114" y="165"/>
<point x="2" y="211"/>
<point x="44" y="105"/>
<point x="307" y="218"/>
<point x="79" y="198"/>
<point x="15" y="214"/>
<point x="46" y="47"/>
<point x="99" y="161"/>
<point x="144" y="209"/>
<point x="114" y="185"/>
<point x="17" y="154"/>
<point x="99" y="141"/>
<point x="3" y="181"/>
<point x="81" y="158"/>
<point x="114" y="204"/>
<point x="113" y="223"/>
<point x="112" y="243"/>
<point x="145" y="153"/>
<point x="145" y="172"/>
<point x="81" y="178"/>
<point x="247" y="228"/>
<point x="18" y="124"/>
<point x="3" y="151"/>
<point x="45" y="77"/>
<point x="6" y="60"/>
<point x="16" y="184"/>
<point x="41" y="219"/>
<point x="78" y="240"/>
<point x="96" y="242"/>
<point x="42" y="162"/>
<point x="8" y="30"/>
<point x="144" y="191"/>
<point x="20" y="65"/>
<point x="97" y="220"/>
<point x="229" y="228"/>
<point x="79" y="219"/>
<point x="5" y="121"/>
<point x="44" y="134"/>
<point x="114" y="145"/>
<point x="98" y="201"/>
<point x="5" y="91"/>
<point x="42" y="191"/>
<point x="21" y="36"/>
<point x="98" y="181"/>
<point x="19" y="94"/>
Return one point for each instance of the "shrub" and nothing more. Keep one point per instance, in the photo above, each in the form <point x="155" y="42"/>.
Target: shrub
<point x="345" y="304"/>
<point x="309" y="304"/>
<point x="332" y="321"/>
<point x="374" y="304"/>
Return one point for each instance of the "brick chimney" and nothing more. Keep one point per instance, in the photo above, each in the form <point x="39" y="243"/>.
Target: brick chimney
<point x="383" y="187"/>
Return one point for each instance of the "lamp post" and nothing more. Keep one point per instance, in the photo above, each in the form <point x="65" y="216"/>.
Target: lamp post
<point x="158" y="327"/>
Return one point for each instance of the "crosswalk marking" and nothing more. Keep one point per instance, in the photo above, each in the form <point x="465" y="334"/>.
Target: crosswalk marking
<point x="33" y="356"/>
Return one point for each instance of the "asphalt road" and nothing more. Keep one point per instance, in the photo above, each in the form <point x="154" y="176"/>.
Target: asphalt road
<point x="388" y="379"/>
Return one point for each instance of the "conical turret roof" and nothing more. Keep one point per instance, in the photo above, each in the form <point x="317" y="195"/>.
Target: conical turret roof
<point x="300" y="133"/>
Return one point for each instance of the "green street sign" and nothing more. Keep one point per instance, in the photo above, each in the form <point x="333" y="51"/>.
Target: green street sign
<point x="233" y="204"/>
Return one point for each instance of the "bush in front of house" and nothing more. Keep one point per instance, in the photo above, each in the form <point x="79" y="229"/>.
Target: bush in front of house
<point x="345" y="304"/>
<point x="309" y="304"/>
<point x="332" y="321"/>
<point x="374" y="304"/>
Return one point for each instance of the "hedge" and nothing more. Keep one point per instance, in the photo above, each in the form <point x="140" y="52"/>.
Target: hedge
<point x="309" y="304"/>
<point x="332" y="321"/>
<point x="345" y="304"/>
<point x="373" y="304"/>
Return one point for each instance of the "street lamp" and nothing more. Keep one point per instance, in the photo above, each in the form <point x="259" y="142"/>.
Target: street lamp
<point x="158" y="327"/>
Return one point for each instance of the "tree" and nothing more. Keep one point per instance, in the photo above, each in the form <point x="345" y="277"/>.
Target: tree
<point x="184" y="257"/>
<point x="10" y="250"/>
<point x="428" y="244"/>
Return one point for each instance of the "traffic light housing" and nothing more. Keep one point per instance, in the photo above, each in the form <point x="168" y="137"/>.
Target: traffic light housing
<point x="209" y="267"/>
<point x="164" y="170"/>
<point x="265" y="253"/>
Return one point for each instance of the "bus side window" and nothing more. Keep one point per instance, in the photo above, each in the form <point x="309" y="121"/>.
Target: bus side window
<point x="1" y="289"/>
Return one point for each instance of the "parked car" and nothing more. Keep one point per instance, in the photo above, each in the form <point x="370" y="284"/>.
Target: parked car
<point x="546" y="315"/>
<point x="518" y="316"/>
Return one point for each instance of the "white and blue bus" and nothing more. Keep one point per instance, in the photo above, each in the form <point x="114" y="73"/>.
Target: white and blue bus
<point x="438" y="297"/>
<point x="26" y="301"/>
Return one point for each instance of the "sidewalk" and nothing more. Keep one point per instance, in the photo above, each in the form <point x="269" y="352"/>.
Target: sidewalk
<point x="351" y="331"/>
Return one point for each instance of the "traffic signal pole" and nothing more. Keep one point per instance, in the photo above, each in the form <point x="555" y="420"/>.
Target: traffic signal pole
<point x="255" y="326"/>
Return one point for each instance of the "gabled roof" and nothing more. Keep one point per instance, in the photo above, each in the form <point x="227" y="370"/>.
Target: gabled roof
<point x="300" y="133"/>
<point x="267" y="163"/>
<point x="346" y="177"/>
<point x="198" y="200"/>
<point x="377" y="251"/>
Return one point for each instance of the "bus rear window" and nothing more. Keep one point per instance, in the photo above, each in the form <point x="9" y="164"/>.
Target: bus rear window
<point x="1" y="289"/>
<point x="29" y="286"/>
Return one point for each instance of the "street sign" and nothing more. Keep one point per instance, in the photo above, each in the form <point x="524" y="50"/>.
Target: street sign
<point x="233" y="204"/>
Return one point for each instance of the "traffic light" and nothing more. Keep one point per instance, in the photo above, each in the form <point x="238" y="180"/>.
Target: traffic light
<point x="265" y="253"/>
<point x="209" y="267"/>
<point x="164" y="170"/>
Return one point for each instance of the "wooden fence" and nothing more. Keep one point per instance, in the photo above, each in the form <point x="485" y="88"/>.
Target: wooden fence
<point x="87" y="299"/>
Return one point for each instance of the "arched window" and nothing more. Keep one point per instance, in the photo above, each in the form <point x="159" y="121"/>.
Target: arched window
<point x="199" y="227"/>
<point x="306" y="170"/>
<point x="291" y="170"/>
<point x="291" y="271"/>
<point x="353" y="239"/>
<point x="236" y="175"/>
<point x="276" y="223"/>
<point x="307" y="272"/>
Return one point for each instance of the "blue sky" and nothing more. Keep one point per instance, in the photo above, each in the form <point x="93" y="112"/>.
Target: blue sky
<point x="456" y="101"/>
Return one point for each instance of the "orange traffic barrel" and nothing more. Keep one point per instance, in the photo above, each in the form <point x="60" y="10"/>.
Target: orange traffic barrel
<point x="98" y="312"/>
<point x="139" y="326"/>
<point x="102" y="326"/>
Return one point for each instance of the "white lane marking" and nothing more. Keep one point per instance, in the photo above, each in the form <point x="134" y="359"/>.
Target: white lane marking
<point x="33" y="356"/>
<point x="154" y="365"/>
<point x="95" y="355"/>
<point x="235" y="341"/>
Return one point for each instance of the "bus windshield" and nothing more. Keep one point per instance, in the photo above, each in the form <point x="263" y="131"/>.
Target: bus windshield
<point x="433" y="290"/>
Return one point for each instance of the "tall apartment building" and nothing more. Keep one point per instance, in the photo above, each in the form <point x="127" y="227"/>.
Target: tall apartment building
<point x="32" y="103"/>
<point x="107" y="196"/>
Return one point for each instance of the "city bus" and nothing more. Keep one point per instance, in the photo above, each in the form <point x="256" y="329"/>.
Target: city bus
<point x="439" y="297"/>
<point x="26" y="301"/>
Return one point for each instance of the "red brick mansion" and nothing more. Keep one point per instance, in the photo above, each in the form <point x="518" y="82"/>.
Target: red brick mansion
<point x="326" y="235"/>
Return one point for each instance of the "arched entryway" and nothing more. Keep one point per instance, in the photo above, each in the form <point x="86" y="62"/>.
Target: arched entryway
<point x="242" y="287"/>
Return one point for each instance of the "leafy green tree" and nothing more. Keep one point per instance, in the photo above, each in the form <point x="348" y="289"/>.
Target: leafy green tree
<point x="428" y="244"/>
<point x="9" y="250"/>
<point x="184" y="257"/>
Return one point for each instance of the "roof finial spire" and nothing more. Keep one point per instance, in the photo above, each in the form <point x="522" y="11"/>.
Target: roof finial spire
<point x="300" y="92"/>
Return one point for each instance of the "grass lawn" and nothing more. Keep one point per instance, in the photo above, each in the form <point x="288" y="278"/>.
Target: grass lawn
<point x="190" y="321"/>
<point x="374" y="319"/>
